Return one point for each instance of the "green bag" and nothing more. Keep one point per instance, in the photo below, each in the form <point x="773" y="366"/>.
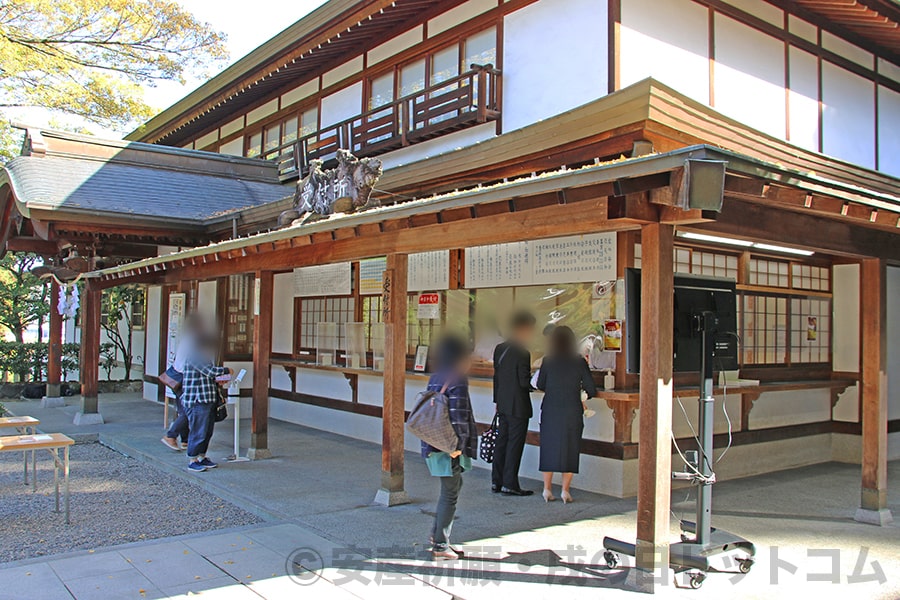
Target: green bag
<point x="441" y="465"/>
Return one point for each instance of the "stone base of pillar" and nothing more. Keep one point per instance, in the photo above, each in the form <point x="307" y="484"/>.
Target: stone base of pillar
<point x="53" y="402"/>
<point x="82" y="418"/>
<point x="657" y="575"/>
<point x="880" y="517"/>
<point x="259" y="453"/>
<point x="388" y="498"/>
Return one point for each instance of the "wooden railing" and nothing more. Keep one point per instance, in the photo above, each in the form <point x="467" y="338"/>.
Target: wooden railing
<point x="463" y="101"/>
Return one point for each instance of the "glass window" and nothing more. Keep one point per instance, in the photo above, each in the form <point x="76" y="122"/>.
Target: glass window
<point x="412" y="78"/>
<point x="272" y="137"/>
<point x="138" y="309"/>
<point x="444" y="65"/>
<point x="254" y="145"/>
<point x="309" y="122"/>
<point x="289" y="131"/>
<point x="381" y="91"/>
<point x="480" y="49"/>
<point x="239" y="316"/>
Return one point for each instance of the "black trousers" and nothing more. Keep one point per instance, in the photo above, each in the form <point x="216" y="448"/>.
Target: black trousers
<point x="508" y="451"/>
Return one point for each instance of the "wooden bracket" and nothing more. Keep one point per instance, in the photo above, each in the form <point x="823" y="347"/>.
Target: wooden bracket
<point x="623" y="418"/>
<point x="747" y="401"/>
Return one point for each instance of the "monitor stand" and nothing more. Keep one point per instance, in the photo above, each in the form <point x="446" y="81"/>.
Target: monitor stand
<point x="699" y="540"/>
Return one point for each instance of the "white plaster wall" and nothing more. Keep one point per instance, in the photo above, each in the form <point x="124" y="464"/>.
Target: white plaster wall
<point x="749" y="76"/>
<point x="668" y="41"/>
<point x="803" y="100"/>
<point x="440" y="145"/>
<point x="341" y="105"/>
<point x="893" y="336"/>
<point x="549" y="48"/>
<point x="151" y="347"/>
<point x="888" y="131"/>
<point x="682" y="422"/>
<point x="845" y="323"/>
<point x="459" y="14"/>
<point x="848" y="119"/>
<point x="283" y="313"/>
<point x="776" y="409"/>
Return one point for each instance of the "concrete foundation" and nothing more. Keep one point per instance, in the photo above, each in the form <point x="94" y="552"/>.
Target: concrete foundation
<point x="82" y="418"/>
<point x="53" y="402"/>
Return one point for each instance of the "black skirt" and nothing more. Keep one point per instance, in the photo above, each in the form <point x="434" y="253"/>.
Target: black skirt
<point x="561" y="440"/>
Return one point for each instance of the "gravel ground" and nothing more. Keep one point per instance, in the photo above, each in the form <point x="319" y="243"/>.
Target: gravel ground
<point x="114" y="500"/>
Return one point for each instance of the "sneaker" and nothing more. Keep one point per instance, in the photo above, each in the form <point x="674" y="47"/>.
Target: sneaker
<point x="171" y="444"/>
<point x="208" y="463"/>
<point x="196" y="467"/>
<point x="184" y="445"/>
<point x="445" y="554"/>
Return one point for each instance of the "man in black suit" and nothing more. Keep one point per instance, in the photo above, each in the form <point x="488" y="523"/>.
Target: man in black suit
<point x="512" y="395"/>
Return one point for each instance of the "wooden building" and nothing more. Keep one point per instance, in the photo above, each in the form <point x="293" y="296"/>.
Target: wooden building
<point x="522" y="173"/>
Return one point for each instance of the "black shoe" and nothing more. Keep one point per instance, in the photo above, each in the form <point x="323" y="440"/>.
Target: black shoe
<point x="517" y="492"/>
<point x="495" y="489"/>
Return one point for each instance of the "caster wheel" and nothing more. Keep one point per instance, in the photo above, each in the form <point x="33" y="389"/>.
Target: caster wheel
<point x="686" y="538"/>
<point x="697" y="580"/>
<point x="612" y="560"/>
<point x="745" y="565"/>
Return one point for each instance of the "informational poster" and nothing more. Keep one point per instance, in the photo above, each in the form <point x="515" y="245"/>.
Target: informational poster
<point x="429" y="271"/>
<point x="612" y="335"/>
<point x="371" y="274"/>
<point x="177" y="304"/>
<point x="585" y="258"/>
<point x="421" y="359"/>
<point x="429" y="307"/>
<point x="323" y="280"/>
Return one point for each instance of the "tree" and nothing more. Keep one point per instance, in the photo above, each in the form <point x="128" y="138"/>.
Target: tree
<point x="23" y="296"/>
<point x="89" y="58"/>
<point x="118" y="324"/>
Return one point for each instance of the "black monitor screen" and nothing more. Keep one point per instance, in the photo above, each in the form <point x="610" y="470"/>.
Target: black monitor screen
<point x="693" y="295"/>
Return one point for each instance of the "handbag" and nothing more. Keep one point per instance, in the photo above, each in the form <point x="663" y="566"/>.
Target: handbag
<point x="489" y="441"/>
<point x="171" y="378"/>
<point x="441" y="465"/>
<point x="222" y="407"/>
<point x="430" y="420"/>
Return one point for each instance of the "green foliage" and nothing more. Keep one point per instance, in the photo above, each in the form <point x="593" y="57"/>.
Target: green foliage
<point x="108" y="359"/>
<point x="28" y="361"/>
<point x="71" y="356"/>
<point x="24" y="298"/>
<point x="118" y="325"/>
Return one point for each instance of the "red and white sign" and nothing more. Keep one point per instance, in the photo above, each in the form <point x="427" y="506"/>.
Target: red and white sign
<point x="429" y="306"/>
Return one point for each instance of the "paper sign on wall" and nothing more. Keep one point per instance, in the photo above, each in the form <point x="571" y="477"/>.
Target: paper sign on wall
<point x="323" y="280"/>
<point x="429" y="306"/>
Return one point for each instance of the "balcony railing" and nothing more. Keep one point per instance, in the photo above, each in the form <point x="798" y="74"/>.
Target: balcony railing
<point x="463" y="101"/>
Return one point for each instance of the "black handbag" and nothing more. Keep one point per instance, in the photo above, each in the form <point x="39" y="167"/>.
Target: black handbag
<point x="222" y="407"/>
<point x="489" y="442"/>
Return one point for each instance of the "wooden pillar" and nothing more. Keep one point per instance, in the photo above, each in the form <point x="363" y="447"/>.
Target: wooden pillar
<point x="262" y="351"/>
<point x="655" y="449"/>
<point x="90" y="354"/>
<point x="54" y="350"/>
<point x="394" y="307"/>
<point x="873" y="392"/>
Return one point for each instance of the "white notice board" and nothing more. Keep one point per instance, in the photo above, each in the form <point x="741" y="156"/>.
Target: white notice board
<point x="429" y="271"/>
<point x="573" y="259"/>
<point x="323" y="280"/>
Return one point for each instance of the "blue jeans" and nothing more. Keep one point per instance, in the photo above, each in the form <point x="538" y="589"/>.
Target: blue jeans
<point x="201" y="420"/>
<point x="179" y="427"/>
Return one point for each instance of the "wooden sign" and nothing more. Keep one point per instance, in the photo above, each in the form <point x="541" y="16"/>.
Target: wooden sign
<point x="387" y="284"/>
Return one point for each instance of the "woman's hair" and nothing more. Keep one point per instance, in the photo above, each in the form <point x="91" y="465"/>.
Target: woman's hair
<point x="562" y="342"/>
<point x="451" y="351"/>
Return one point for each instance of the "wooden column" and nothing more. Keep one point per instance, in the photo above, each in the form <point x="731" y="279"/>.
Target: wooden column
<point x="262" y="352"/>
<point x="394" y="307"/>
<point x="655" y="450"/>
<point x="90" y="354"/>
<point x="873" y="392"/>
<point x="54" y="350"/>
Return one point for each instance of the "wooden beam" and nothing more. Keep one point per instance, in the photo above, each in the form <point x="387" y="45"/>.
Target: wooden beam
<point x="90" y="354"/>
<point x="873" y="388"/>
<point x="655" y="459"/>
<point x="262" y="351"/>
<point x="394" y="306"/>
<point x="54" y="350"/>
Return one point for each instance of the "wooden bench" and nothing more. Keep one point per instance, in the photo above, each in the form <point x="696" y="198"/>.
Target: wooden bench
<point x="51" y="442"/>
<point x="24" y="425"/>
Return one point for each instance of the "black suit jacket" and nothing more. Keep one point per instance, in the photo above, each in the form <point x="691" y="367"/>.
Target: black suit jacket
<point x="512" y="380"/>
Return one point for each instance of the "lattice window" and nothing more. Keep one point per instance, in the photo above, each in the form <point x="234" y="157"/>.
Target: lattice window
<point x="810" y="277"/>
<point x="713" y="264"/>
<point x="763" y="324"/>
<point x="323" y="310"/>
<point x="768" y="273"/>
<point x="371" y="315"/>
<point x="239" y="316"/>
<point x="420" y="332"/>
<point x="810" y="330"/>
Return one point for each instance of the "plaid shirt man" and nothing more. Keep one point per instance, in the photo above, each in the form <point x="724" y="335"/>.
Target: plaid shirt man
<point x="199" y="384"/>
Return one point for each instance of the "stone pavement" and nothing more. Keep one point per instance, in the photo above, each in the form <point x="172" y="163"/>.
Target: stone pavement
<point x="326" y="539"/>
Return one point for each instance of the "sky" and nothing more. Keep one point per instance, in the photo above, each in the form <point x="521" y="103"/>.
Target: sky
<point x="246" y="25"/>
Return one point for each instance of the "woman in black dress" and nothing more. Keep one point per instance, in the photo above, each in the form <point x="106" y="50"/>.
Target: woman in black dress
<point x="563" y="376"/>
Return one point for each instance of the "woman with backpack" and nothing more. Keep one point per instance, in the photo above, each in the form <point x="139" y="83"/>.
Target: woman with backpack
<point x="451" y="380"/>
